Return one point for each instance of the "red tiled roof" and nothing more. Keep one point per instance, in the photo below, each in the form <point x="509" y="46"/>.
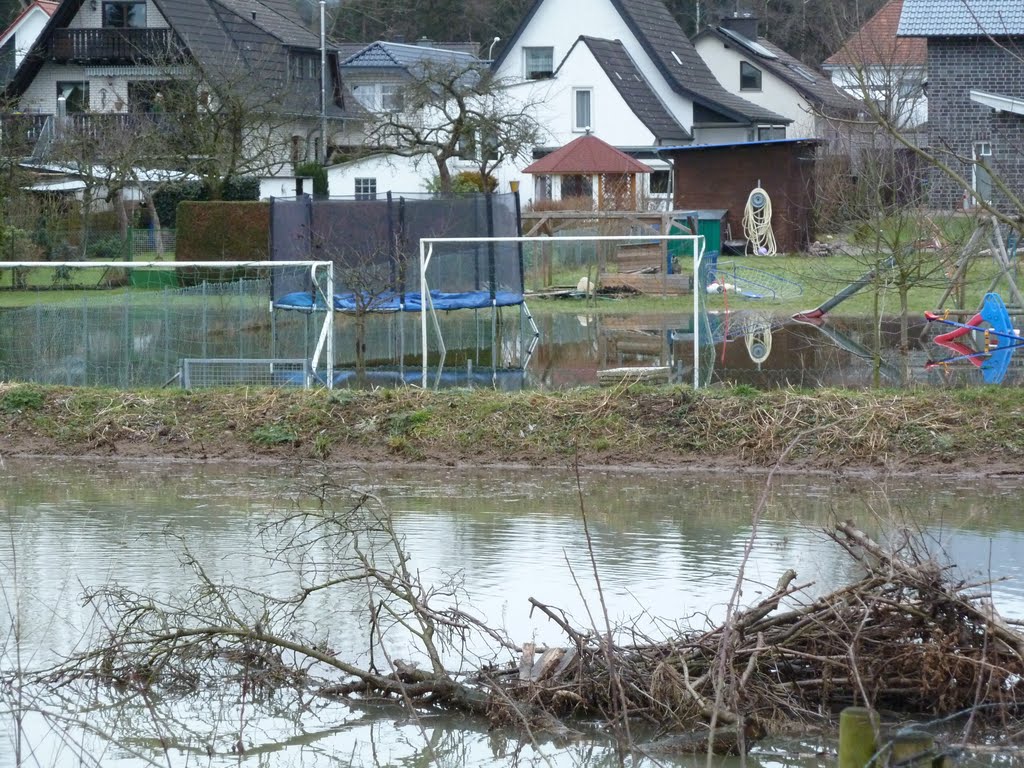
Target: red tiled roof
<point x="587" y="154"/>
<point x="876" y="43"/>
<point x="46" y="6"/>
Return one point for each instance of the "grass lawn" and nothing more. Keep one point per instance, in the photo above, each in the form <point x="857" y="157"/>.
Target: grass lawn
<point x="820" y="279"/>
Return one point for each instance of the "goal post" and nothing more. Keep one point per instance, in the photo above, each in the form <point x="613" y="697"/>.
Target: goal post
<point x="490" y="272"/>
<point x="136" y="323"/>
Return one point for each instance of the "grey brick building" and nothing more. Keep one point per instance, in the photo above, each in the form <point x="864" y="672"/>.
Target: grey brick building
<point x="975" y="96"/>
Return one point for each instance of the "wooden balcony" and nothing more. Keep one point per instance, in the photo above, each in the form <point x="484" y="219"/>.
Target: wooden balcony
<point x="113" y="46"/>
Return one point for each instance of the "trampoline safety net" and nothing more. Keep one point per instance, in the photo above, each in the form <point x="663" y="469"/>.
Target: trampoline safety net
<point x="375" y="248"/>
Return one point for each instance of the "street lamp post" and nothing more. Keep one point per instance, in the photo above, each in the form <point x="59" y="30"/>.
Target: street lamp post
<point x="323" y="84"/>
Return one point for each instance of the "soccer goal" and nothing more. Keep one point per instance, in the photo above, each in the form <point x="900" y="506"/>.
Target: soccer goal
<point x="492" y="274"/>
<point x="155" y="323"/>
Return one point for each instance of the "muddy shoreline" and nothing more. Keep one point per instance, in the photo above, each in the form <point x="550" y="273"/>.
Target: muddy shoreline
<point x="968" y="433"/>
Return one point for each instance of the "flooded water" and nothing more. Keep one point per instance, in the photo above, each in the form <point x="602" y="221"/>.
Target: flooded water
<point x="142" y="340"/>
<point x="667" y="548"/>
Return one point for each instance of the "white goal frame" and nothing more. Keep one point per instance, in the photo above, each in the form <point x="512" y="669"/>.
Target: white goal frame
<point x="427" y="252"/>
<point x="325" y="340"/>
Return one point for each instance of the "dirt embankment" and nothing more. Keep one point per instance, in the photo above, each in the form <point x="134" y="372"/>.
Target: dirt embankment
<point x="965" y="431"/>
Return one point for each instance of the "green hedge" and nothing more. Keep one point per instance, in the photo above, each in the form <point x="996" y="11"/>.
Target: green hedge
<point x="223" y="231"/>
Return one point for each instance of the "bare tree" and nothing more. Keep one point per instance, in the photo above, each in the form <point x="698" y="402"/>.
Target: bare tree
<point x="456" y="111"/>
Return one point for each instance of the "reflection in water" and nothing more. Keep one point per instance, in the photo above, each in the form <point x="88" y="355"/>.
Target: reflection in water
<point x="112" y="340"/>
<point x="668" y="547"/>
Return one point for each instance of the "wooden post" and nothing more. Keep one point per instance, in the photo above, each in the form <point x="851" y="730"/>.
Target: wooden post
<point x="858" y="737"/>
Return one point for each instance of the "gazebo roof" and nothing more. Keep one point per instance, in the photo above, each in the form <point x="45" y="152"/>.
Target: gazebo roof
<point x="588" y="155"/>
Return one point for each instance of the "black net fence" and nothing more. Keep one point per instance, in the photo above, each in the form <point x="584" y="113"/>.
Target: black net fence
<point x="375" y="246"/>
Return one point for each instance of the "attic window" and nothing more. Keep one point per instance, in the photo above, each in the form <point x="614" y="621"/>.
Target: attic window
<point x="124" y="14"/>
<point x="538" y="63"/>
<point x="750" y="77"/>
<point x="805" y="74"/>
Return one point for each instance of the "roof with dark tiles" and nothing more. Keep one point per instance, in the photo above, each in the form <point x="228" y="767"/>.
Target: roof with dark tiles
<point x="623" y="73"/>
<point x="236" y="40"/>
<point x="672" y="52"/>
<point x="813" y="85"/>
<point x="962" y="18"/>
<point x="404" y="55"/>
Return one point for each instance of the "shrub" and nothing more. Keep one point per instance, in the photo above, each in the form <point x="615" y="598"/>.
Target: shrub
<point x="109" y="248"/>
<point x="466" y="183"/>
<point x="229" y="231"/>
<point x="319" y="174"/>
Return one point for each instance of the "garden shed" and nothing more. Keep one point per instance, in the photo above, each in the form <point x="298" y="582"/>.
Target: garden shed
<point x="588" y="169"/>
<point x="722" y="176"/>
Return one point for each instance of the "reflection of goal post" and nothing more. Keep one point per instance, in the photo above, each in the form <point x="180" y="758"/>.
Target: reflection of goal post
<point x="496" y="265"/>
<point x="147" y="323"/>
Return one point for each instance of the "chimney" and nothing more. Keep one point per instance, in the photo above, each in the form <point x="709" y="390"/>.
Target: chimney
<point x="742" y="24"/>
<point x="398" y="39"/>
<point x="425" y="42"/>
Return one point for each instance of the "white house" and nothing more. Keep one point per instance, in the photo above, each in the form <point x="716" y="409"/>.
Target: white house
<point x="18" y="38"/>
<point x="750" y="66"/>
<point x="103" y="62"/>
<point x="626" y="70"/>
<point x="370" y="178"/>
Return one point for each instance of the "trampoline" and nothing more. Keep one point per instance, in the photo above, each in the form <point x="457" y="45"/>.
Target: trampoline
<point x="375" y="247"/>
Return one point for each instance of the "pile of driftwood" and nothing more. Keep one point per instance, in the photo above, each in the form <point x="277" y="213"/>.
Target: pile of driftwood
<point x="906" y="637"/>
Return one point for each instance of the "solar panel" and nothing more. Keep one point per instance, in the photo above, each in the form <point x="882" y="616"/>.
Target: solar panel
<point x="757" y="48"/>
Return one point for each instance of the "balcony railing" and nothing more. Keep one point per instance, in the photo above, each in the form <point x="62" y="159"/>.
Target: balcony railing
<point x="19" y="133"/>
<point x="42" y="137"/>
<point x="125" y="46"/>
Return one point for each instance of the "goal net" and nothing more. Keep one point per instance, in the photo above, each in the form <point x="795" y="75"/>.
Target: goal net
<point x="146" y="324"/>
<point x="494" y="273"/>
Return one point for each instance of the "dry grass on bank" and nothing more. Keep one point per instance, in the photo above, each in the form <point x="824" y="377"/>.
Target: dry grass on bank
<point x="662" y="426"/>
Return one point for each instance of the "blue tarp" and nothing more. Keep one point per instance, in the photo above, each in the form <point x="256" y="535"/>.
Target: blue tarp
<point x="393" y="302"/>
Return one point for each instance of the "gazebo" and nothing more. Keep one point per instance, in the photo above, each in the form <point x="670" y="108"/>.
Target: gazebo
<point x="588" y="169"/>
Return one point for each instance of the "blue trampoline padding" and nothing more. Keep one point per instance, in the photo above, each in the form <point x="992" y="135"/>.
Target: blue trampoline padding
<point x="346" y="302"/>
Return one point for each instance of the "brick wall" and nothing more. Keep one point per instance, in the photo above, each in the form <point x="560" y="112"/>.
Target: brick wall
<point x="955" y="67"/>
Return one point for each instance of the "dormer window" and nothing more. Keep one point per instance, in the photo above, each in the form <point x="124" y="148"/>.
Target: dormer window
<point x="750" y="77"/>
<point x="538" y="63"/>
<point x="304" y="66"/>
<point x="124" y="14"/>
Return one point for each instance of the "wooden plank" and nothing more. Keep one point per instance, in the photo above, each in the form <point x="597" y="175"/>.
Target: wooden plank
<point x="526" y="662"/>
<point x="673" y="285"/>
<point x="547" y="662"/>
<point x="656" y="374"/>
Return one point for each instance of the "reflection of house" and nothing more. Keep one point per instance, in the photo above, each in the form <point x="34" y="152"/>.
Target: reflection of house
<point x="588" y="169"/>
<point x="102" y="61"/>
<point x="750" y="66"/>
<point x="975" y="94"/>
<point x="625" y="70"/>
<point x="18" y="38"/>
<point x="889" y="71"/>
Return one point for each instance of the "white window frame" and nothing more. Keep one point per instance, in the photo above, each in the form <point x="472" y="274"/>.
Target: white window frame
<point x="760" y="77"/>
<point x="981" y="153"/>
<point x="365" y="188"/>
<point x="379" y="97"/>
<point x="530" y="73"/>
<point x="768" y="132"/>
<point x="579" y="125"/>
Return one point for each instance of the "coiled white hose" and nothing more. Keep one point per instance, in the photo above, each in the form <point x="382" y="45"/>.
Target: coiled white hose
<point x="757" y="223"/>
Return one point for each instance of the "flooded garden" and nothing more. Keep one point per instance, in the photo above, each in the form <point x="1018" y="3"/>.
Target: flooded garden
<point x="642" y="557"/>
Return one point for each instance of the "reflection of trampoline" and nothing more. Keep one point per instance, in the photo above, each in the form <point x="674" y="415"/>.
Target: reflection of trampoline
<point x="379" y="268"/>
